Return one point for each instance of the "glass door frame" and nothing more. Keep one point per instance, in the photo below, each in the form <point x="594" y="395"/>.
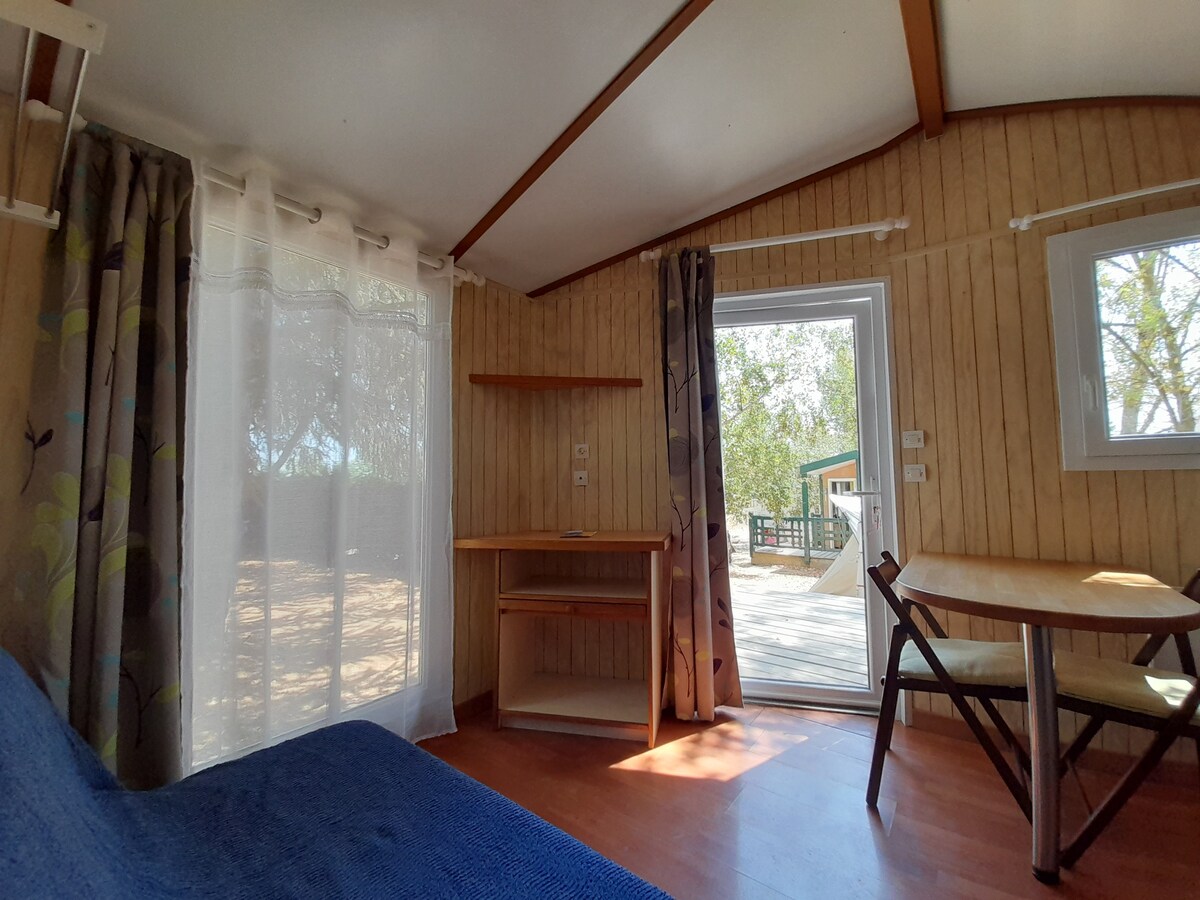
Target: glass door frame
<point x="866" y="304"/>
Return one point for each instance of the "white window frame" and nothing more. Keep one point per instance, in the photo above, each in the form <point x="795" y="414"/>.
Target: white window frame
<point x="1071" y="257"/>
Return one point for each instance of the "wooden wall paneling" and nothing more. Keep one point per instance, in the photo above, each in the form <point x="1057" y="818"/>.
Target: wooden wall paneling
<point x="535" y="354"/>
<point x="860" y="244"/>
<point x="560" y="473"/>
<point x="759" y="256"/>
<point x="619" y="450"/>
<point x="1009" y="341"/>
<point x="743" y="259"/>
<point x="1045" y="485"/>
<point x="775" y="255"/>
<point x="807" y="199"/>
<point x="973" y="360"/>
<point x="987" y="346"/>
<point x="929" y="536"/>
<point x="966" y="387"/>
<point x="909" y="514"/>
<point x="462" y="325"/>
<point x="631" y="306"/>
<point x="941" y="341"/>
<point x="843" y="247"/>
<point x="924" y="411"/>
<point x="936" y="158"/>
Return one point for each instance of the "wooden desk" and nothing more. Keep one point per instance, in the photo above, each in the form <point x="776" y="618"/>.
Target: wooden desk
<point x="530" y="584"/>
<point x="1041" y="596"/>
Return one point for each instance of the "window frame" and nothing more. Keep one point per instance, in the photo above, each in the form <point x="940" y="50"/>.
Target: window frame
<point x="1083" y="418"/>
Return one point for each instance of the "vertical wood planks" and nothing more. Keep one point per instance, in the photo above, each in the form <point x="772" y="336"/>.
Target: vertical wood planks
<point x="973" y="357"/>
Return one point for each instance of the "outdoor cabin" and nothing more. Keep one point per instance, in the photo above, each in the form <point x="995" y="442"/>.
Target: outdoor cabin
<point x="396" y="399"/>
<point x="835" y="475"/>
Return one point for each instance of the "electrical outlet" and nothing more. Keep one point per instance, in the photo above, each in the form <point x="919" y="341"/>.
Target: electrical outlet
<point x="582" y="451"/>
<point x="581" y="479"/>
<point x="909" y="439"/>
<point x="915" y="472"/>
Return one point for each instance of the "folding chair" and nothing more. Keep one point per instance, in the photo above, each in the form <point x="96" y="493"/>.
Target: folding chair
<point x="981" y="670"/>
<point x="1145" y="656"/>
<point x="1132" y="694"/>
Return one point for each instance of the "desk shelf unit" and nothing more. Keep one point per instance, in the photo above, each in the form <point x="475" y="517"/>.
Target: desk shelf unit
<point x="530" y="586"/>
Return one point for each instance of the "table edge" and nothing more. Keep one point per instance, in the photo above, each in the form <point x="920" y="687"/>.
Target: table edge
<point x="1052" y="618"/>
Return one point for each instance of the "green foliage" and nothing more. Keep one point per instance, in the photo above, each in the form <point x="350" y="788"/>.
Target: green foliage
<point x="787" y="395"/>
<point x="1149" y="304"/>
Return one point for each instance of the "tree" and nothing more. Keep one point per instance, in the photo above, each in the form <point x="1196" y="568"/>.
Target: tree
<point x="787" y="395"/>
<point x="1149" y="301"/>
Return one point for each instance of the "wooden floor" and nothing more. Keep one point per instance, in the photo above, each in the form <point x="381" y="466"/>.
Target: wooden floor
<point x="807" y="637"/>
<point x="768" y="803"/>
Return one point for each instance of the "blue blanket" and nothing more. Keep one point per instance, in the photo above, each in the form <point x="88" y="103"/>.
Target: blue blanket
<point x="347" y="811"/>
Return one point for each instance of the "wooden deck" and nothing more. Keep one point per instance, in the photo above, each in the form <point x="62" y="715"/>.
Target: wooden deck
<point x="806" y="638"/>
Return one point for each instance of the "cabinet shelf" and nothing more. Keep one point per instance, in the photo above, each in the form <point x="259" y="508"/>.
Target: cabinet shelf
<point x="551" y="382"/>
<point x="579" y="697"/>
<point x="563" y="587"/>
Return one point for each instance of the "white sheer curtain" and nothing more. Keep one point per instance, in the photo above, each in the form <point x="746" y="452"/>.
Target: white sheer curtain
<point x="316" y="530"/>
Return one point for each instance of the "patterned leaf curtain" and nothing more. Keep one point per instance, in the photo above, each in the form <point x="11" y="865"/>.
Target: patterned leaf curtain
<point x="703" y="655"/>
<point x="100" y="583"/>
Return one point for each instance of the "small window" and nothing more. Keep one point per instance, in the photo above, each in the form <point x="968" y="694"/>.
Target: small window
<point x="1126" y="300"/>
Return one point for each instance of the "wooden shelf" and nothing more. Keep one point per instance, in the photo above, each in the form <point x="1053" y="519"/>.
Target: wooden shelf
<point x="579" y="697"/>
<point x="600" y="542"/>
<point x="551" y="382"/>
<point x="565" y="587"/>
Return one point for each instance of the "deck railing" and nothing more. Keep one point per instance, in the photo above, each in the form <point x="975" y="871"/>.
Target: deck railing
<point x="803" y="533"/>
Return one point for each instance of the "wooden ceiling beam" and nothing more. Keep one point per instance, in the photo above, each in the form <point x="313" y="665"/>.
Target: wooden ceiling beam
<point x="678" y="23"/>
<point x="925" y="60"/>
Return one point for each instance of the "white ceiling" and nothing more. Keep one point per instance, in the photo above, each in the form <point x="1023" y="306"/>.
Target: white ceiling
<point x="430" y="110"/>
<point x="1019" y="51"/>
<point x="426" y="112"/>
<point x="756" y="93"/>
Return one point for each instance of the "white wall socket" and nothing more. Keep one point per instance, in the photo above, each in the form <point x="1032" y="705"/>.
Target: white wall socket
<point x="912" y="439"/>
<point x="914" y="472"/>
<point x="582" y="451"/>
<point x="581" y="478"/>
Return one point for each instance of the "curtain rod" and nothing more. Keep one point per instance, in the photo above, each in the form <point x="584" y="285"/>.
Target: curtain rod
<point x="313" y="214"/>
<point x="879" y="229"/>
<point x="1023" y="223"/>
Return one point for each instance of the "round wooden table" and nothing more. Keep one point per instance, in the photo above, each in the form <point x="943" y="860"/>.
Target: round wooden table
<point x="1041" y="596"/>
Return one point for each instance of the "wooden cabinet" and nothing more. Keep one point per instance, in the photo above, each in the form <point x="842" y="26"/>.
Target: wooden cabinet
<point x="613" y="575"/>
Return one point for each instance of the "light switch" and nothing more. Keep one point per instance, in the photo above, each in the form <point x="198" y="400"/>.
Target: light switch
<point x="909" y="439"/>
<point x="915" y="472"/>
<point x="581" y="478"/>
<point x="582" y="451"/>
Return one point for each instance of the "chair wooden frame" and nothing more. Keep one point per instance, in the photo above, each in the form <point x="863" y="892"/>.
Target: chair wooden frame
<point x="1167" y="731"/>
<point x="906" y="629"/>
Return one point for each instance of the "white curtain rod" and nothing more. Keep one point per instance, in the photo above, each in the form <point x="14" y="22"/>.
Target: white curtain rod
<point x="1023" y="223"/>
<point x="313" y="214"/>
<point x="879" y="229"/>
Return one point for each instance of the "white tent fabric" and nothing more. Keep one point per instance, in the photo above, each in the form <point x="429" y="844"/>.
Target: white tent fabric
<point x="844" y="577"/>
<point x="317" y="553"/>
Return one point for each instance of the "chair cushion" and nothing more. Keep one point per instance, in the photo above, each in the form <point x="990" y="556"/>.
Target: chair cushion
<point x="1156" y="692"/>
<point x="991" y="663"/>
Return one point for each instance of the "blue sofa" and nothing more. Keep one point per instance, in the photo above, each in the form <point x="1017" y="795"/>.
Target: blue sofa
<point x="347" y="811"/>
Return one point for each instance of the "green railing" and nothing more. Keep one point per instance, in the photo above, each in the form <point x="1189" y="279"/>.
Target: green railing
<point x="804" y="533"/>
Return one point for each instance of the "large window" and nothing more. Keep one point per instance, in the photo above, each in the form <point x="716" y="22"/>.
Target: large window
<point x="1127" y="333"/>
<point x="316" y="519"/>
